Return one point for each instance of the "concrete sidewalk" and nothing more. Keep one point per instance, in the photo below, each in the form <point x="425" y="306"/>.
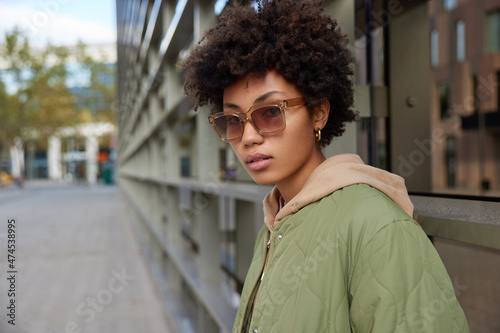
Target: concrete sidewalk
<point x="79" y="266"/>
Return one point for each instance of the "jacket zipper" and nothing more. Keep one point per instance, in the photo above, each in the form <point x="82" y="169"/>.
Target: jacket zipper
<point x="259" y="282"/>
<point x="267" y="256"/>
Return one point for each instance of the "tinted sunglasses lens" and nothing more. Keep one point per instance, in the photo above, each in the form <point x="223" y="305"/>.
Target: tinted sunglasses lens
<point x="268" y="119"/>
<point x="228" y="127"/>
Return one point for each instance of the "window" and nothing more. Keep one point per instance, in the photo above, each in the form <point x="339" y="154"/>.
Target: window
<point x="498" y="91"/>
<point x="434" y="48"/>
<point x="493" y="32"/>
<point x="451" y="159"/>
<point x="475" y="107"/>
<point x="460" y="41"/>
<point x="219" y="6"/>
<point x="444" y="100"/>
<point x="450" y="4"/>
<point x="185" y="166"/>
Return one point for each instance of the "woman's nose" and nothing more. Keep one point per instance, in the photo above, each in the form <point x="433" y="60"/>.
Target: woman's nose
<point x="250" y="135"/>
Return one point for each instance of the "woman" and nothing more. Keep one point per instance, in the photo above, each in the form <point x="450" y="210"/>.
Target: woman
<point x="339" y="251"/>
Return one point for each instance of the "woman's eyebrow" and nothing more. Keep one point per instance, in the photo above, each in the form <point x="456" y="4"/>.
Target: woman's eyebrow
<point x="258" y="100"/>
<point x="265" y="96"/>
<point x="231" y="106"/>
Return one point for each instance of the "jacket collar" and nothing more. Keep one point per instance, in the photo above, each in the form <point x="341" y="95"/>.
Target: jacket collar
<point x="335" y="173"/>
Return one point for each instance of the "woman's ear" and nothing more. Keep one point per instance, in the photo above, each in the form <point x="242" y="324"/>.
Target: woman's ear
<point x="321" y="113"/>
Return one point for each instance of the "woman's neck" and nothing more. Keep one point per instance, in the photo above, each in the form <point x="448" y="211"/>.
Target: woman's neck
<point x="290" y="187"/>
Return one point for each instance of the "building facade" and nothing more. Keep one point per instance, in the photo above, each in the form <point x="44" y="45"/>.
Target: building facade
<point x="465" y="61"/>
<point x="198" y="212"/>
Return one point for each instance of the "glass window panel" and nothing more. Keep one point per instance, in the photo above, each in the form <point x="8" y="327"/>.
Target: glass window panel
<point x="498" y="90"/>
<point x="460" y="41"/>
<point x="434" y="48"/>
<point x="219" y="6"/>
<point x="444" y="99"/>
<point x="493" y="32"/>
<point x="450" y="4"/>
<point x="463" y="143"/>
<point x="451" y="161"/>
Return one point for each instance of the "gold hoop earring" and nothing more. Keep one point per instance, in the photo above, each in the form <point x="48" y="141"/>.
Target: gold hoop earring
<point x="318" y="135"/>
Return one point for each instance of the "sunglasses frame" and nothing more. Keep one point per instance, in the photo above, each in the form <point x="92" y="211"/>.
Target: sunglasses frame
<point x="243" y="116"/>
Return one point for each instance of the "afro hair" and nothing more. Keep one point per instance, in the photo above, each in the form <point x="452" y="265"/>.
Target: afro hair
<point x="295" y="38"/>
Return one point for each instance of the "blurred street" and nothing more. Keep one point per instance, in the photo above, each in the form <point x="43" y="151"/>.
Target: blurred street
<point x="79" y="266"/>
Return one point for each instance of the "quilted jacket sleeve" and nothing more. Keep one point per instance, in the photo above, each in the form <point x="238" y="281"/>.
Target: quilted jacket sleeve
<point x="399" y="284"/>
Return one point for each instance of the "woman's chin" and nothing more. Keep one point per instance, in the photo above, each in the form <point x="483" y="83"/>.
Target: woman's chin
<point x="262" y="180"/>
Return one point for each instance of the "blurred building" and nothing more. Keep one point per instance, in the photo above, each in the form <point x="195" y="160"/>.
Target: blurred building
<point x="465" y="76"/>
<point x="198" y="210"/>
<point x="82" y="157"/>
<point x="83" y="153"/>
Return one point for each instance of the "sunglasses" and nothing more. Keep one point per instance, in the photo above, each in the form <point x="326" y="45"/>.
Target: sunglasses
<point x="266" y="118"/>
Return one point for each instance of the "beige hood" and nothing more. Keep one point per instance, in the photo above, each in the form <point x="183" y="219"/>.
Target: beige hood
<point x="334" y="173"/>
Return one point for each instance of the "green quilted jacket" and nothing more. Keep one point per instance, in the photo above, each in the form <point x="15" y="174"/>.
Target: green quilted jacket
<point x="350" y="261"/>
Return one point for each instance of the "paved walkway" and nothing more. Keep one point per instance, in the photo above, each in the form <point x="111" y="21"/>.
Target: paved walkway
<point x="79" y="266"/>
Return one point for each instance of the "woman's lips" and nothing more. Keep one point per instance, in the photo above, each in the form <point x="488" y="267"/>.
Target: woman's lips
<point x="258" y="162"/>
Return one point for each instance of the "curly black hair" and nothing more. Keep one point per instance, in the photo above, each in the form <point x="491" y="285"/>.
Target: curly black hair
<point x="295" y="38"/>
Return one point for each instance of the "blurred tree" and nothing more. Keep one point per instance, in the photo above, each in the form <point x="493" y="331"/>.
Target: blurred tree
<point x="35" y="101"/>
<point x="8" y="124"/>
